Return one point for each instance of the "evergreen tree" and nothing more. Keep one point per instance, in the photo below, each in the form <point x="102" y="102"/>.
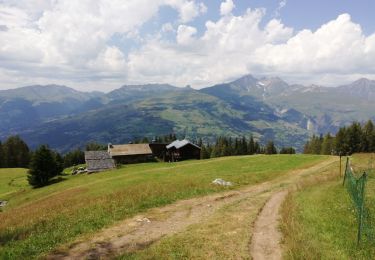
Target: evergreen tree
<point x="354" y="138"/>
<point x="287" y="150"/>
<point x="205" y="153"/>
<point x="74" y="157"/>
<point x="59" y="162"/>
<point x="251" y="147"/>
<point x="327" y="144"/>
<point x="257" y="148"/>
<point x="270" y="148"/>
<point x="93" y="146"/>
<point x="200" y="142"/>
<point x="340" y="142"/>
<point x="368" y="137"/>
<point x="16" y="153"/>
<point x="215" y="152"/>
<point x="43" y="167"/>
<point x="243" y="146"/>
<point x="1" y="155"/>
<point x="145" y="140"/>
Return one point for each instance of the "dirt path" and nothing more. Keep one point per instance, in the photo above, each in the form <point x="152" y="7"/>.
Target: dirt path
<point x="266" y="238"/>
<point x="143" y="230"/>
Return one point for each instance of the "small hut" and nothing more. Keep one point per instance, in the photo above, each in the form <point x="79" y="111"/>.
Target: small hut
<point x="183" y="150"/>
<point x="97" y="161"/>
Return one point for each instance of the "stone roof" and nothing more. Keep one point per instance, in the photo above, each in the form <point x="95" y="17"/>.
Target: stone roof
<point x="97" y="155"/>
<point x="129" y="149"/>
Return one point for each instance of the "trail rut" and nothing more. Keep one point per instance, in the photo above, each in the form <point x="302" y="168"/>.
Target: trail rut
<point x="144" y="229"/>
<point x="266" y="236"/>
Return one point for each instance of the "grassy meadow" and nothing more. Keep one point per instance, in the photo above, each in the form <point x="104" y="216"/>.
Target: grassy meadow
<point x="37" y="221"/>
<point x="319" y="221"/>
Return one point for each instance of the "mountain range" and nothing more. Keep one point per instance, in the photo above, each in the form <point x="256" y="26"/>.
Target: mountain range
<point x="268" y="108"/>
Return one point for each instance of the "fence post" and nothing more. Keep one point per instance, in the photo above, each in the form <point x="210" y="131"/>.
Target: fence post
<point x="340" y="166"/>
<point x="346" y="168"/>
<point x="360" y="213"/>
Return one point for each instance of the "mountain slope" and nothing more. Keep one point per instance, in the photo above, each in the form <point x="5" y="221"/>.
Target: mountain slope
<point x="29" y="106"/>
<point x="268" y="108"/>
<point x="186" y="112"/>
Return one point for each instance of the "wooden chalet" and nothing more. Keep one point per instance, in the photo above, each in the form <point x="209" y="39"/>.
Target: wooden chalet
<point x="130" y="153"/>
<point x="183" y="150"/>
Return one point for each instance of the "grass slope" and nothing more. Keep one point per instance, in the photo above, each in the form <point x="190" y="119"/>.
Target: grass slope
<point x="11" y="181"/>
<point x="36" y="221"/>
<point x="319" y="221"/>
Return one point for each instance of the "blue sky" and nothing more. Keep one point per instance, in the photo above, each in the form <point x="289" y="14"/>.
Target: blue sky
<point x="101" y="45"/>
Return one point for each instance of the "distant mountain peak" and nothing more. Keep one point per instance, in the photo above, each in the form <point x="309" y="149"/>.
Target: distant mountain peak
<point x="245" y="80"/>
<point x="363" y="82"/>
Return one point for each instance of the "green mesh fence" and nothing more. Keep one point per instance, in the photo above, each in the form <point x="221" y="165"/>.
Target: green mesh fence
<point x="356" y="189"/>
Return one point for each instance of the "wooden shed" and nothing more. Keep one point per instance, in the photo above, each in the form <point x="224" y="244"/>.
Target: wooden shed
<point x="97" y="161"/>
<point x="183" y="150"/>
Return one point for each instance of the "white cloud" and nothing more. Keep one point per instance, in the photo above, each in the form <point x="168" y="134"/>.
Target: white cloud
<point x="74" y="37"/>
<point x="281" y="5"/>
<point x="277" y="32"/>
<point x="188" y="10"/>
<point x="167" y="27"/>
<point x="338" y="47"/>
<point x="72" y="42"/>
<point x="226" y="7"/>
<point x="236" y="45"/>
<point x="185" y="34"/>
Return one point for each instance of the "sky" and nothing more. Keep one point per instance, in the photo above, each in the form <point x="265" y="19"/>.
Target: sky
<point x="103" y="44"/>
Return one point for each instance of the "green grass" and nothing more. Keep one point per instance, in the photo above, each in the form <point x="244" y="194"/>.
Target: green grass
<point x="11" y="181"/>
<point x="36" y="221"/>
<point x="319" y="221"/>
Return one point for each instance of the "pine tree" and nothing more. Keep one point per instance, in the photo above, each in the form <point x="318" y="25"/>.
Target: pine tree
<point x="43" y="167"/>
<point x="205" y="153"/>
<point x="340" y="142"/>
<point x="59" y="162"/>
<point x="251" y="147"/>
<point x="368" y="137"/>
<point x="287" y="150"/>
<point x="74" y="157"/>
<point x="270" y="148"/>
<point x="327" y="144"/>
<point x="1" y="155"/>
<point x="243" y="146"/>
<point x="16" y="153"/>
<point x="354" y="138"/>
<point x="93" y="146"/>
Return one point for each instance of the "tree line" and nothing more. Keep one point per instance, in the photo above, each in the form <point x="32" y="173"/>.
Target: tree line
<point x="356" y="138"/>
<point x="227" y="146"/>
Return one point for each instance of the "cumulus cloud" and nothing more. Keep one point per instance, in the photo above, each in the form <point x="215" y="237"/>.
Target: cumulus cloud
<point x="72" y="42"/>
<point x="75" y="37"/>
<point x="188" y="10"/>
<point x="226" y="7"/>
<point x="185" y="34"/>
<point x="235" y="45"/>
<point x="338" y="47"/>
